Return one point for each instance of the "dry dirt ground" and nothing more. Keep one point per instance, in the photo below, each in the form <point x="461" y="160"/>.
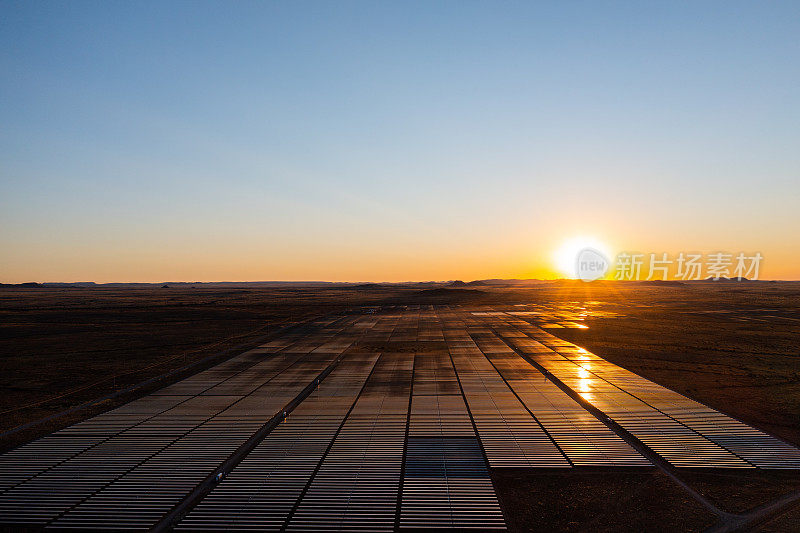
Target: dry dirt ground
<point x="60" y="348"/>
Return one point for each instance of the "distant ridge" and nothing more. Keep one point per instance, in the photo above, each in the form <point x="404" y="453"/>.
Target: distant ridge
<point x="454" y="284"/>
<point x="476" y="283"/>
<point x="443" y="295"/>
<point x="367" y="286"/>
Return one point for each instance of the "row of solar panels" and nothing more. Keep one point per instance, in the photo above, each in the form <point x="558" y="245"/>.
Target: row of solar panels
<point x="684" y="432"/>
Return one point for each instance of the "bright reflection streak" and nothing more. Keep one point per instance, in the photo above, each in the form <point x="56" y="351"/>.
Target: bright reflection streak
<point x="584" y="380"/>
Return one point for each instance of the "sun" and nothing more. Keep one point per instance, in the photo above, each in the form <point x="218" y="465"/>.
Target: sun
<point x="565" y="257"/>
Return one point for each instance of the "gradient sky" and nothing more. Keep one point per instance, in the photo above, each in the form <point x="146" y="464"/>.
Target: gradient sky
<point x="151" y="141"/>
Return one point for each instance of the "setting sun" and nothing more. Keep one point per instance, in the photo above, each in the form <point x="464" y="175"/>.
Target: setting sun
<point x="565" y="257"/>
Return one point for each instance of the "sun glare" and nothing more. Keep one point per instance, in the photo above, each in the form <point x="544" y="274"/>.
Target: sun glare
<point x="566" y="255"/>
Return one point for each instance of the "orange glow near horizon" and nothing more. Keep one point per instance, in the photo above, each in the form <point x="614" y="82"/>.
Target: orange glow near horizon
<point x="177" y="257"/>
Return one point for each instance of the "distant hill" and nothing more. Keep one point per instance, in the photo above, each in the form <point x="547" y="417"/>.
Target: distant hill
<point x="443" y="291"/>
<point x="508" y="282"/>
<point x="247" y="284"/>
<point x="444" y="295"/>
<point x="455" y="284"/>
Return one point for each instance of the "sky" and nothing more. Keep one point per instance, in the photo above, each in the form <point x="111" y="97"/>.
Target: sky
<point x="379" y="141"/>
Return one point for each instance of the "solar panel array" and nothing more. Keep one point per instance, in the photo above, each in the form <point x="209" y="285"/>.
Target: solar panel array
<point x="358" y="481"/>
<point x="131" y="477"/>
<point x="684" y="432"/>
<point x="446" y="485"/>
<point x="262" y="490"/>
<point x="418" y="404"/>
<point x="584" y="439"/>
<point x="509" y="434"/>
<point x="437" y="406"/>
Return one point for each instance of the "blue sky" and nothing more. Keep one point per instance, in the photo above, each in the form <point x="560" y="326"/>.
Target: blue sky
<point x="384" y="141"/>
